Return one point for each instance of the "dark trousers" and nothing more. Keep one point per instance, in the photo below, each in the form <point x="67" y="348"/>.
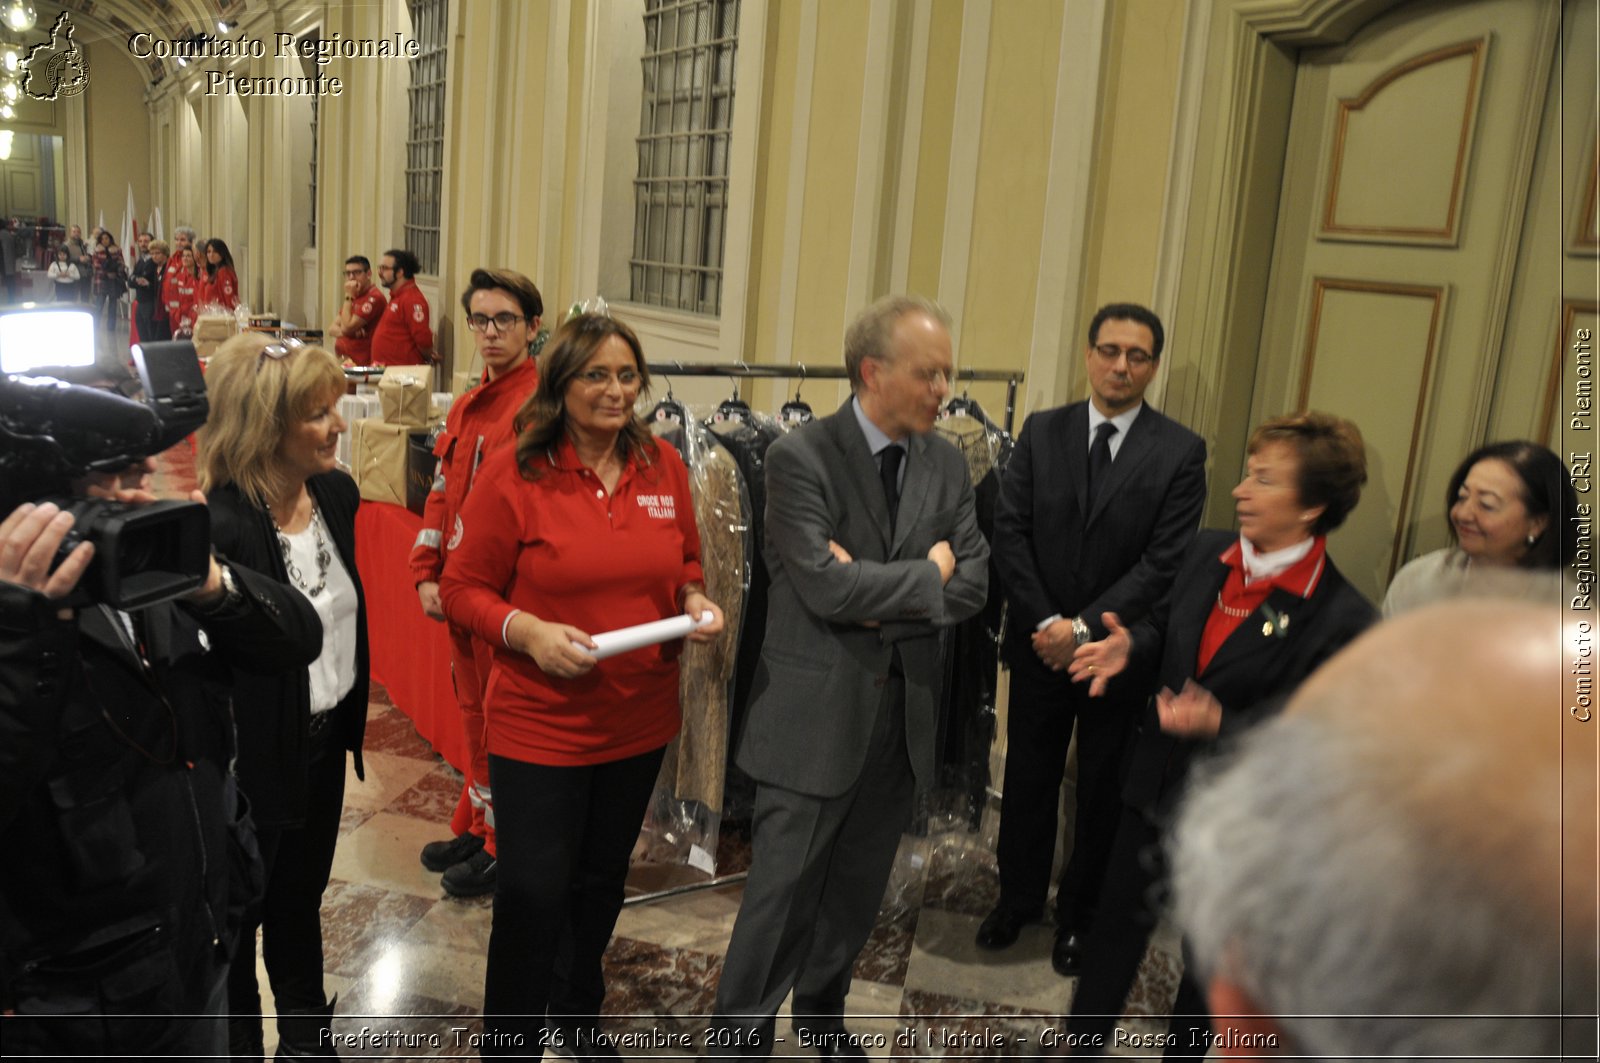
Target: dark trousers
<point x="105" y="308"/>
<point x="298" y="861"/>
<point x="151" y="319"/>
<point x="1131" y="903"/>
<point x="1044" y="708"/>
<point x="564" y="836"/>
<point x="819" y="866"/>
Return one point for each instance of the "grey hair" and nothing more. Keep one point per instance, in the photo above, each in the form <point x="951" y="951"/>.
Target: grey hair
<point x="185" y="230"/>
<point x="871" y="333"/>
<point x="1366" y="932"/>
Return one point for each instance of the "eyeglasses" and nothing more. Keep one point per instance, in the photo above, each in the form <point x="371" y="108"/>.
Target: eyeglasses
<point x="354" y="272"/>
<point x="501" y="322"/>
<point x="277" y="351"/>
<point x="599" y="378"/>
<point x="1138" y="357"/>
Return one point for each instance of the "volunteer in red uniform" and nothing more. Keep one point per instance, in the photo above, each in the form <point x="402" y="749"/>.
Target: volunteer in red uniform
<point x="184" y="301"/>
<point x="503" y="310"/>
<point x="182" y="237"/>
<point x="220" y="282"/>
<point x="363" y="306"/>
<point x="402" y="336"/>
<point x="586" y="525"/>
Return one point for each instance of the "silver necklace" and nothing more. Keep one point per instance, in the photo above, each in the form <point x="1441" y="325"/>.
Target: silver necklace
<point x="324" y="558"/>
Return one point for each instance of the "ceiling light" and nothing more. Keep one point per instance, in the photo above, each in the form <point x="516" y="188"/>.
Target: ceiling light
<point x="20" y="15"/>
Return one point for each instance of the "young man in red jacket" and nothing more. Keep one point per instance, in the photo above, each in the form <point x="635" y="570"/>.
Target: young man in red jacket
<point x="363" y="305"/>
<point x="503" y="310"/>
<point x="403" y="335"/>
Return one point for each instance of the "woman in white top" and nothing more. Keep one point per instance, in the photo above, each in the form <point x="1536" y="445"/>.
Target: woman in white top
<point x="1506" y="502"/>
<point x="280" y="506"/>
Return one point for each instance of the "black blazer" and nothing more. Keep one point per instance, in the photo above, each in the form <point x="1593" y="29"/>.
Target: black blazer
<point x="1055" y="555"/>
<point x="1253" y="673"/>
<point x="272" y="742"/>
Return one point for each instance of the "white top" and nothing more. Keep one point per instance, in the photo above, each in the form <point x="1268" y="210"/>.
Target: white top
<point x="333" y="673"/>
<point x="62" y="273"/>
<point x="1123" y="421"/>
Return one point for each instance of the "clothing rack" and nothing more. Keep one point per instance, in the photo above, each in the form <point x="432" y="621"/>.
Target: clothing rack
<point x="1011" y="378"/>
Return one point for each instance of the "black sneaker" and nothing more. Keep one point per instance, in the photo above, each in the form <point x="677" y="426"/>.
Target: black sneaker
<point x="473" y="877"/>
<point x="441" y="856"/>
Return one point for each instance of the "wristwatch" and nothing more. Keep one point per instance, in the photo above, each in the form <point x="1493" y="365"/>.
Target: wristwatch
<point x="1080" y="631"/>
<point x="230" y="592"/>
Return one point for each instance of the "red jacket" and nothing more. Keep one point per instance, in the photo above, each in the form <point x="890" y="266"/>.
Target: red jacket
<point x="478" y="424"/>
<point x="183" y="302"/>
<point x="223" y="289"/>
<point x="356" y="345"/>
<point x="403" y="332"/>
<point x="563" y="550"/>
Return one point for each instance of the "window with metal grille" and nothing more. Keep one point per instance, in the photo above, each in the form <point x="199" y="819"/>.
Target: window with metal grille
<point x="685" y="119"/>
<point x="425" y="132"/>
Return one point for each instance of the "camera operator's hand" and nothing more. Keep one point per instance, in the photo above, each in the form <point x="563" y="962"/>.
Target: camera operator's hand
<point x="29" y="538"/>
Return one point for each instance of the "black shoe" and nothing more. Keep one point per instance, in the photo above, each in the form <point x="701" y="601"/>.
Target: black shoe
<point x="828" y="1038"/>
<point x="1000" y="928"/>
<point x="473" y="877"/>
<point x="441" y="856"/>
<point x="1067" y="955"/>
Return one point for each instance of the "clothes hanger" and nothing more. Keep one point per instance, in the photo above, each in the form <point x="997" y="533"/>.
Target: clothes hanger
<point x="669" y="408"/>
<point x="733" y="409"/>
<point x="796" y="411"/>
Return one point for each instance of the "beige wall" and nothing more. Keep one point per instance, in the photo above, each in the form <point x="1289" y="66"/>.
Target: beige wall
<point x="117" y="136"/>
<point x="868" y="170"/>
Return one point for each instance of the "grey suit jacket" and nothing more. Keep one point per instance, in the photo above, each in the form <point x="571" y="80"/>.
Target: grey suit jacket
<point x="822" y="673"/>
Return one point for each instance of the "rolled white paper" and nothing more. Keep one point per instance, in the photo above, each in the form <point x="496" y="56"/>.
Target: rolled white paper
<point x="611" y="643"/>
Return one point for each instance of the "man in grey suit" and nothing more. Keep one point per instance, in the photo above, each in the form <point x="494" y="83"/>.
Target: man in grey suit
<point x="1098" y="504"/>
<point x="873" y="545"/>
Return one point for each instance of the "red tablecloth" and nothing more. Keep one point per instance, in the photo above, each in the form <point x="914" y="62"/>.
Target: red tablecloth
<point x="410" y="653"/>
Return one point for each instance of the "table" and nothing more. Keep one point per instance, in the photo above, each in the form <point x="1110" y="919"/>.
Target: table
<point x="410" y="653"/>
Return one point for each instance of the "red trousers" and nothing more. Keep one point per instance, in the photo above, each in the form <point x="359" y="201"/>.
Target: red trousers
<point x="470" y="660"/>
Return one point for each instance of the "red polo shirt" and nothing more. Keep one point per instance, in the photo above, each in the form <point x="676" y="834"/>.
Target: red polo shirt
<point x="357" y="347"/>
<point x="403" y="332"/>
<point x="563" y="550"/>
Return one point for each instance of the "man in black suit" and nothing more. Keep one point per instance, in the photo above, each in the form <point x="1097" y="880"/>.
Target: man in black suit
<point x="1098" y="504"/>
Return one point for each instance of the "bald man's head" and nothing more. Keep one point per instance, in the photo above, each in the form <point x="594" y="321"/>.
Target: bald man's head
<point x="1393" y="844"/>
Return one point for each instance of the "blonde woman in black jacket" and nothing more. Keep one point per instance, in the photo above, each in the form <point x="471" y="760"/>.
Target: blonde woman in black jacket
<point x="280" y="506"/>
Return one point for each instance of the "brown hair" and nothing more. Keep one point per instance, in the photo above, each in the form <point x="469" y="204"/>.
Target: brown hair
<point x="542" y="420"/>
<point x="1333" y="461"/>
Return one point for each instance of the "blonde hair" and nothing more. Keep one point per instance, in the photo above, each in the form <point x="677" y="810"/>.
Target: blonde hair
<point x="254" y="399"/>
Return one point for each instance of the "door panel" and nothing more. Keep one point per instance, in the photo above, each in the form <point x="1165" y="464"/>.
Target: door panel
<point x="1410" y="158"/>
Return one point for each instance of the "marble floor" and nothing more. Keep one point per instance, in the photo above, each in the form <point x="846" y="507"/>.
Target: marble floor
<point x="407" y="961"/>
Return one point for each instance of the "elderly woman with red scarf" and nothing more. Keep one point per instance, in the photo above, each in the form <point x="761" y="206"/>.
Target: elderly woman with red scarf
<point x="1249" y="617"/>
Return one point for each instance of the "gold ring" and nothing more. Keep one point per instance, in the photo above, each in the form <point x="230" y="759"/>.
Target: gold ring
<point x="1091" y="669"/>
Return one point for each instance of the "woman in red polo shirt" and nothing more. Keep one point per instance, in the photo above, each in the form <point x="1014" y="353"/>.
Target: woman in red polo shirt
<point x="584" y="526"/>
<point x="220" y="284"/>
<point x="184" y="304"/>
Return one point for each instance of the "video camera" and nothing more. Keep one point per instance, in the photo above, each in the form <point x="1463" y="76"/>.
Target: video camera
<point x="54" y="432"/>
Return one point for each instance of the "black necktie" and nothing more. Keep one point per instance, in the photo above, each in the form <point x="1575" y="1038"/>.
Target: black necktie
<point x="889" y="469"/>
<point x="1100" y="456"/>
